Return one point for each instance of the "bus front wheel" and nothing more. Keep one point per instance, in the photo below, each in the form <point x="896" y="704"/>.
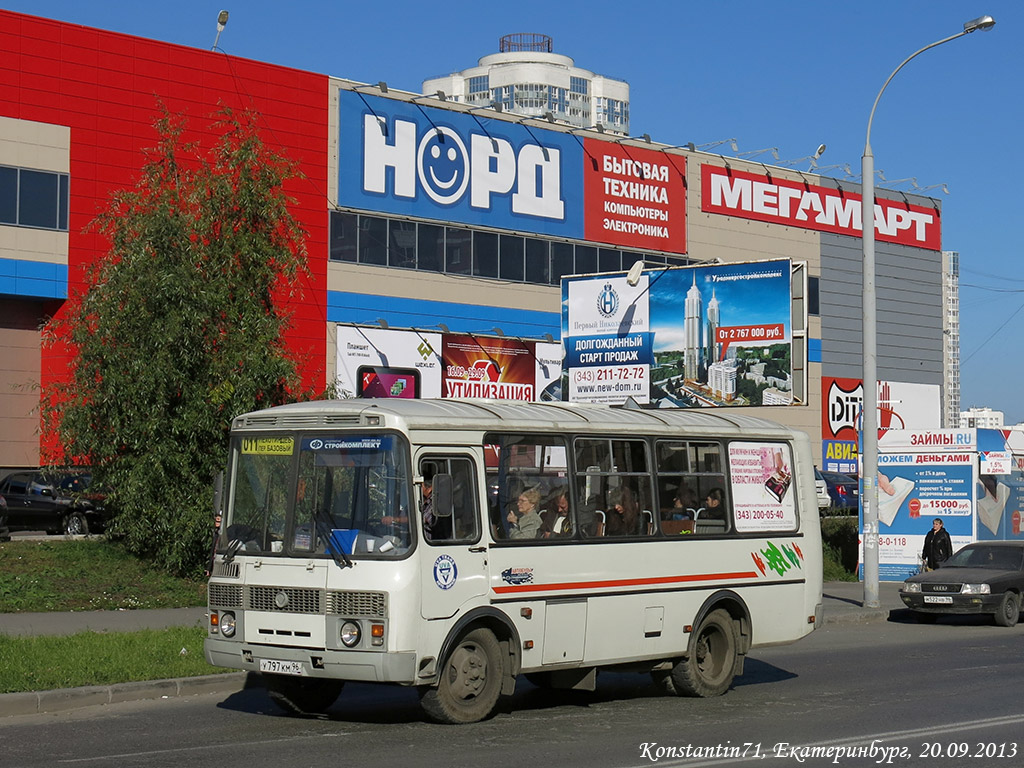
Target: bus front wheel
<point x="708" y="669"/>
<point x="470" y="681"/>
<point x="302" y="696"/>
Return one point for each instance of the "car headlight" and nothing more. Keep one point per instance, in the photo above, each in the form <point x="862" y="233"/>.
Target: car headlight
<point x="975" y="589"/>
<point x="227" y="624"/>
<point x="911" y="586"/>
<point x="350" y="634"/>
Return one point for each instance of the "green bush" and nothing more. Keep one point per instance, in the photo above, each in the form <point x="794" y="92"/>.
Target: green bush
<point x="839" y="538"/>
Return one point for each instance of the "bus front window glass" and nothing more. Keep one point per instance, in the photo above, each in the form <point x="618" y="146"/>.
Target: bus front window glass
<point x="260" y="499"/>
<point x="352" y="493"/>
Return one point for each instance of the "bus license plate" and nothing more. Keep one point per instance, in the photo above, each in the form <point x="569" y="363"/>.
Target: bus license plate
<point x="281" y="667"/>
<point x="944" y="599"/>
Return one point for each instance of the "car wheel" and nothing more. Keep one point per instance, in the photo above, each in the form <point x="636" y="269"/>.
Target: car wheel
<point x="75" y="524"/>
<point x="708" y="670"/>
<point x="470" y="681"/>
<point x="1009" y="610"/>
<point x="302" y="696"/>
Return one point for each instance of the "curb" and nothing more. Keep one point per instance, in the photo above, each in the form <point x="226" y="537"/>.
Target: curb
<point x="62" y="700"/>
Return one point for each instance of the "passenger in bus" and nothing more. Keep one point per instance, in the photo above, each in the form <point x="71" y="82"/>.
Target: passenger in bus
<point x="525" y="520"/>
<point x="714" y="506"/>
<point x="684" y="506"/>
<point x="623" y="513"/>
<point x="557" y="521"/>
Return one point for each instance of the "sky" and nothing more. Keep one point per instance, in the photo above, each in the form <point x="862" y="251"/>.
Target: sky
<point x="790" y="74"/>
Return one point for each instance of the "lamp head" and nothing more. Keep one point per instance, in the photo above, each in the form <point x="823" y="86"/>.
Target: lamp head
<point x="633" y="276"/>
<point x="819" y="151"/>
<point x="222" y="20"/>
<point x="982" y="22"/>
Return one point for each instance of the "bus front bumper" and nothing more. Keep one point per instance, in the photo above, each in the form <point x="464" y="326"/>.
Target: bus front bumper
<point x="362" y="666"/>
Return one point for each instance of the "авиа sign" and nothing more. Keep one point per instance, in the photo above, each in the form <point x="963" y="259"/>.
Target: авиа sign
<point x="410" y="159"/>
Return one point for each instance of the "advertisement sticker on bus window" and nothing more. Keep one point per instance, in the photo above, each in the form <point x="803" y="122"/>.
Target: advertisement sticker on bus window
<point x="762" y="492"/>
<point x="268" y="446"/>
<point x="445" y="572"/>
<point x="350" y="443"/>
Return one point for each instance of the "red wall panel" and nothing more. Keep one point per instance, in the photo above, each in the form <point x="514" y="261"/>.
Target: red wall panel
<point x="106" y="86"/>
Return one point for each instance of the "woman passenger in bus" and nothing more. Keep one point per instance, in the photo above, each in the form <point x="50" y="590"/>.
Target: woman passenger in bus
<point x="623" y="514"/>
<point x="525" y="521"/>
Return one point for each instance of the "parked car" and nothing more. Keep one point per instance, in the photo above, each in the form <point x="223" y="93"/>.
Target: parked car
<point x="5" y="534"/>
<point x="821" y="487"/>
<point x="984" y="577"/>
<point x="842" y="491"/>
<point x="52" y="501"/>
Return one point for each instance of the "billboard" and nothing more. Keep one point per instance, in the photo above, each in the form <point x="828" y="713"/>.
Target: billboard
<point x="449" y="165"/>
<point x="377" y="362"/>
<point x="705" y="336"/>
<point x="900" y="406"/>
<point x="798" y="204"/>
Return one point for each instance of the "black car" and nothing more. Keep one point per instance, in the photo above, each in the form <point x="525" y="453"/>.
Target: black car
<point x="985" y="577"/>
<point x="52" y="501"/>
<point x="843" y="491"/>
<point x="5" y="534"/>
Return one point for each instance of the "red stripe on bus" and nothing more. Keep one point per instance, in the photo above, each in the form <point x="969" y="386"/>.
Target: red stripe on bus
<point x="623" y="582"/>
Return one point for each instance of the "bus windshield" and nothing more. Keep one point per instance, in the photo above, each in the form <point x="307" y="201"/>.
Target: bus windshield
<point x="319" y="496"/>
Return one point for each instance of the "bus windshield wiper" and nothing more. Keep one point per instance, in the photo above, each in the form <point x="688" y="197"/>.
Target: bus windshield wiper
<point x="341" y="559"/>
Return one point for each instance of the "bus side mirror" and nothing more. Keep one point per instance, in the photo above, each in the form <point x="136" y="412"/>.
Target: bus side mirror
<point x="441" y="497"/>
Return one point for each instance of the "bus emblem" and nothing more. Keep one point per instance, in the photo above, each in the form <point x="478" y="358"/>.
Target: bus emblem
<point x="445" y="572"/>
<point x="517" y="575"/>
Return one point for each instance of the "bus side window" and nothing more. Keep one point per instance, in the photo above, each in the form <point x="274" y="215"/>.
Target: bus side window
<point x="462" y="525"/>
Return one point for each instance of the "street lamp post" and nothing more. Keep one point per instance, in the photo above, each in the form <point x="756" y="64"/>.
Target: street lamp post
<point x="869" y="411"/>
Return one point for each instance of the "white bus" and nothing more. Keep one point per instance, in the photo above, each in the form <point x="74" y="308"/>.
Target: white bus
<point x="398" y="541"/>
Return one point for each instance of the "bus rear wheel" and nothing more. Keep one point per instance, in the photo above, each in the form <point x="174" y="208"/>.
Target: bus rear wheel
<point x="470" y="681"/>
<point x="302" y="696"/>
<point x="708" y="669"/>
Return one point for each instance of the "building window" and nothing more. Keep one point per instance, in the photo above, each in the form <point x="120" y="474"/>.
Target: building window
<point x="37" y="199"/>
<point x="402" y="244"/>
<point x="578" y="85"/>
<point x="813" y="295"/>
<point x="479" y="84"/>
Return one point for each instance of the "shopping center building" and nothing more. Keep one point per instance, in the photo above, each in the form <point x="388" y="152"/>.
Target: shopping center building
<point x="439" y="234"/>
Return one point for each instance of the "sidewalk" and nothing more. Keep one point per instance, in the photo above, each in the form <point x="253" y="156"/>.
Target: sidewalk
<point x="842" y="603"/>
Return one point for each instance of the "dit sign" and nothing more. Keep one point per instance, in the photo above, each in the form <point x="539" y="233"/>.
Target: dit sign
<point x="409" y="159"/>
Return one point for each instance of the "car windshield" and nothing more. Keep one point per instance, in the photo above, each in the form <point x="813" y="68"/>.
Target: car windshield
<point x="318" y="495"/>
<point x="988" y="556"/>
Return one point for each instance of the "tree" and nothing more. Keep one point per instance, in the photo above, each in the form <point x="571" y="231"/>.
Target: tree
<point x="179" y="330"/>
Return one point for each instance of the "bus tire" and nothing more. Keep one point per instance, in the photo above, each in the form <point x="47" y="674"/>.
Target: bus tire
<point x="708" y="668"/>
<point x="469" y="683"/>
<point x="302" y="695"/>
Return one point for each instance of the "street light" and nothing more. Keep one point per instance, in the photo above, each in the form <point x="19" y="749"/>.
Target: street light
<point x="869" y="409"/>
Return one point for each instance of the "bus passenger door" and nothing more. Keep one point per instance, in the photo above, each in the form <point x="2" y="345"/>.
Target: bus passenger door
<point x="452" y="549"/>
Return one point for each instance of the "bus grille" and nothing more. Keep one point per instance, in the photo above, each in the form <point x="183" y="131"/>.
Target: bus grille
<point x="284" y="599"/>
<point x="225" y="570"/>
<point x="369" y="604"/>
<point x="226" y="595"/>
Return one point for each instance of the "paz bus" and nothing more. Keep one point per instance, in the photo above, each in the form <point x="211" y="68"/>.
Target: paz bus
<point x="397" y="541"/>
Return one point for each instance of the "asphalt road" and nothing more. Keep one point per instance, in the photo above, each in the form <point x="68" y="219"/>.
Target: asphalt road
<point x="928" y="692"/>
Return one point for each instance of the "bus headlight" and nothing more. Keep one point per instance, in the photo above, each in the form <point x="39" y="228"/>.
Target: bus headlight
<point x="227" y="624"/>
<point x="350" y="634"/>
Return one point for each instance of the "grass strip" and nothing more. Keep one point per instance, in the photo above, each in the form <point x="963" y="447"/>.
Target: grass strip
<point x="101" y="658"/>
<point x="86" y="575"/>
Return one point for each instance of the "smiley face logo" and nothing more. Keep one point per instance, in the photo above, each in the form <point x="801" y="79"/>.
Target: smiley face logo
<point x="443" y="165"/>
